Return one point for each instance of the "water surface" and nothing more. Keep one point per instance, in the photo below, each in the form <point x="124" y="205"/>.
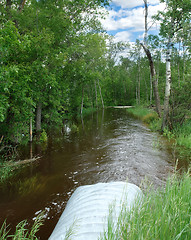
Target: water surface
<point x="103" y="147"/>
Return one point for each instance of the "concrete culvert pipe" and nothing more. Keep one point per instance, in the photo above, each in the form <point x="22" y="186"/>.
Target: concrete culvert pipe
<point x="86" y="214"/>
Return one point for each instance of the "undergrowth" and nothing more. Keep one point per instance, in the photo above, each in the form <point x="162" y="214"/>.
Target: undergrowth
<point x="183" y="134"/>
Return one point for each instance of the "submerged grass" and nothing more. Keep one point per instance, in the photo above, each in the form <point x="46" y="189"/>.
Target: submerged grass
<point x="164" y="213"/>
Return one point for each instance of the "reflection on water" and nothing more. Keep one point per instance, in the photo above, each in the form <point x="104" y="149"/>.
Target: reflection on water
<point x="106" y="146"/>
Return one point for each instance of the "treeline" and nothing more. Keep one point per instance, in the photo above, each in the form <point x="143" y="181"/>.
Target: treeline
<point x="57" y="61"/>
<point x="52" y="59"/>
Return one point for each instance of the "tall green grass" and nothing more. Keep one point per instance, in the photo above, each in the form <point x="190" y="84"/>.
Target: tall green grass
<point x="22" y="233"/>
<point x="183" y="134"/>
<point x="148" y="116"/>
<point x="139" y="111"/>
<point x="164" y="214"/>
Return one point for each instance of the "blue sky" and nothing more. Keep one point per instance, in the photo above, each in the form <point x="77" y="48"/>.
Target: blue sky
<point x="125" y="19"/>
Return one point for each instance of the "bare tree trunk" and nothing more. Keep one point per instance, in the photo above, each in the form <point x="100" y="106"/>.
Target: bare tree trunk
<point x="38" y="117"/>
<point x="151" y="89"/>
<point x="81" y="111"/>
<point x="96" y="94"/>
<point x="146" y="22"/>
<point x="31" y="152"/>
<point x="167" y="88"/>
<point x="146" y="87"/>
<point x="100" y="94"/>
<point x="139" y="83"/>
<point x="183" y="62"/>
<point x="30" y="130"/>
<point x="154" y="80"/>
<point x="152" y="67"/>
<point x="136" y="91"/>
<point x="179" y="65"/>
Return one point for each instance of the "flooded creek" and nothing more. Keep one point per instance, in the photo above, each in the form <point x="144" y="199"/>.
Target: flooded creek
<point x="105" y="146"/>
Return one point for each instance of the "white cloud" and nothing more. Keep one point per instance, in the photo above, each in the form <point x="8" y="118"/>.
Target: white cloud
<point x="123" y="36"/>
<point x="133" y="3"/>
<point x="131" y="19"/>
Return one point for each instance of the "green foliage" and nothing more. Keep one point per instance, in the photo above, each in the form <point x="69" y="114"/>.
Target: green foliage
<point x="74" y="128"/>
<point x="43" y="136"/>
<point x="175" y="19"/>
<point x="168" y="134"/>
<point x="150" y="117"/>
<point x="180" y="102"/>
<point x="44" y="58"/>
<point x="6" y="173"/>
<point x="183" y="134"/>
<point x="163" y="214"/>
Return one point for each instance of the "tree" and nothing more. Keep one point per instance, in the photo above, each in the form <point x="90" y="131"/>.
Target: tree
<point x="38" y="43"/>
<point x="174" y="20"/>
<point x="151" y="63"/>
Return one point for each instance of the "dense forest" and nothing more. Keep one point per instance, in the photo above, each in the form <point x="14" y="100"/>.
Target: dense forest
<point x="57" y="61"/>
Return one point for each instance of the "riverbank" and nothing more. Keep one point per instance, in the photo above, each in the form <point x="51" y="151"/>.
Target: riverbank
<point x="164" y="214"/>
<point x="180" y="136"/>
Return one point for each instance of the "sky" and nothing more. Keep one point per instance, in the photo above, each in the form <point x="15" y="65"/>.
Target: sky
<point x="125" y="19"/>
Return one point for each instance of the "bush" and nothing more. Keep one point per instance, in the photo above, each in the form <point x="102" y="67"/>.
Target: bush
<point x="150" y="117"/>
<point x="43" y="136"/>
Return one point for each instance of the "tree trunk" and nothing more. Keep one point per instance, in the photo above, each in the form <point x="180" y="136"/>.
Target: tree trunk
<point x="81" y="111"/>
<point x="183" y="71"/>
<point x="139" y="83"/>
<point x="100" y="94"/>
<point x="96" y="94"/>
<point x="154" y="80"/>
<point x="30" y="130"/>
<point x="38" y="117"/>
<point x="21" y="5"/>
<point x="31" y="152"/>
<point x="151" y="89"/>
<point x="146" y="22"/>
<point x="136" y="92"/>
<point x="152" y="67"/>
<point x="146" y="87"/>
<point x="179" y="65"/>
<point x="167" y="88"/>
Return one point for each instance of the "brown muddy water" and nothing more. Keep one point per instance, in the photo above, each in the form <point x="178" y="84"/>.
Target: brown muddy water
<point x="103" y="147"/>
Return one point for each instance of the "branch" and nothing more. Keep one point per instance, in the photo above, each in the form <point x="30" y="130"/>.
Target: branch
<point x="21" y="5"/>
<point x="1" y="139"/>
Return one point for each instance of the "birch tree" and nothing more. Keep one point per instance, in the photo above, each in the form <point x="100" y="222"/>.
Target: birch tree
<point x="173" y="20"/>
